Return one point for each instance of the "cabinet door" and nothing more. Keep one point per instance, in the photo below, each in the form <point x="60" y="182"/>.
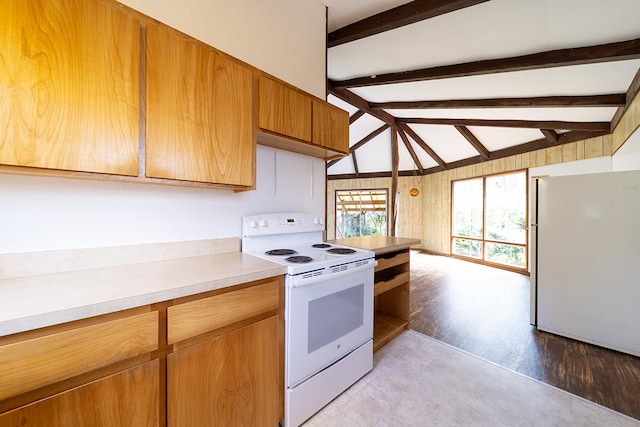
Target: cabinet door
<point x="330" y="127"/>
<point x="234" y="379"/>
<point x="199" y="121"/>
<point x="69" y="86"/>
<point x="128" y="398"/>
<point x="284" y="110"/>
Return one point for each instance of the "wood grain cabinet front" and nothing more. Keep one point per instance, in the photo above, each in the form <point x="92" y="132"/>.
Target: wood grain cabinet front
<point x="283" y="109"/>
<point x="330" y="127"/>
<point x="129" y="399"/>
<point x="199" y="112"/>
<point x="233" y="379"/>
<point x="293" y="120"/>
<point x="227" y="363"/>
<point x="69" y="86"/>
<point x="82" y="372"/>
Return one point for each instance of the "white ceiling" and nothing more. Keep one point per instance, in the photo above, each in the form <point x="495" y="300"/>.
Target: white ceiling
<point x="491" y="30"/>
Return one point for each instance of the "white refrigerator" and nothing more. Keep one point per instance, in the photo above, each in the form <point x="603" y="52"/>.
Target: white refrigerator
<point x="586" y="258"/>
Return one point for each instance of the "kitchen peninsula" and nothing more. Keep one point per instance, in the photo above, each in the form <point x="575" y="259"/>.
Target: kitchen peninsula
<point x="391" y="288"/>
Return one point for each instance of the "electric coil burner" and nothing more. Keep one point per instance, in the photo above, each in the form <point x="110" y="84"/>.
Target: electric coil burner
<point x="341" y="251"/>
<point x="299" y="259"/>
<point x="328" y="313"/>
<point x="281" y="252"/>
<point x="321" y="245"/>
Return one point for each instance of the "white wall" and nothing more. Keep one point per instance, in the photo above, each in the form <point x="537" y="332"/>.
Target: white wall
<point x="42" y="213"/>
<point x="285" y="38"/>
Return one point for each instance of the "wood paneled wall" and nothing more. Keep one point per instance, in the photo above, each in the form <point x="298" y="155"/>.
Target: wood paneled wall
<point x="428" y="215"/>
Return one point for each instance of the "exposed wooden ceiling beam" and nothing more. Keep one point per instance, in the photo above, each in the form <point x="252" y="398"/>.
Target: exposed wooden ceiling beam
<point x="410" y="149"/>
<point x="395" y="162"/>
<point x="355" y="116"/>
<point x="475" y="142"/>
<point x="406" y="14"/>
<point x="368" y="138"/>
<point x="633" y="90"/>
<point x="618" y="51"/>
<point x="360" y="103"/>
<point x="530" y="124"/>
<point x="550" y="135"/>
<point x="613" y="100"/>
<point x="360" y="143"/>
<point x="333" y="162"/>
<point x="423" y="145"/>
<point x="355" y="163"/>
<point x="564" y="138"/>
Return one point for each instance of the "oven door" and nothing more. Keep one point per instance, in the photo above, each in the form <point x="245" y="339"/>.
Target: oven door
<point x="327" y="317"/>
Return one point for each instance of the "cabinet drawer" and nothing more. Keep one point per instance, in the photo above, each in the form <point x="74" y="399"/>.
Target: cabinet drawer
<point x="33" y="363"/>
<point x="390" y="283"/>
<point x="197" y="317"/>
<point x="399" y="258"/>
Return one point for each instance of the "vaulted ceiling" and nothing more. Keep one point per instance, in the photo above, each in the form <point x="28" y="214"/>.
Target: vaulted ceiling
<point x="438" y="84"/>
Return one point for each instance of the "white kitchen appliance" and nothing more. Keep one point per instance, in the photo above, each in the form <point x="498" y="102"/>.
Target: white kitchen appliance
<point x="585" y="270"/>
<point x="328" y="308"/>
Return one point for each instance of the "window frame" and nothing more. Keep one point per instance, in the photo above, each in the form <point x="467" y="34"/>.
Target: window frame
<point x="484" y="240"/>
<point x="360" y="190"/>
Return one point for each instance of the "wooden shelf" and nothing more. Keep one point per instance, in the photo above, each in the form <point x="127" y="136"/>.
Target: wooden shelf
<point x="385" y="328"/>
<point x="399" y="258"/>
<point x="391" y="296"/>
<point x="388" y="284"/>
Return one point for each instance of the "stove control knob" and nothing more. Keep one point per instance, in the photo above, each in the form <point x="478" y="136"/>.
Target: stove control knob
<point x="317" y="221"/>
<point x="262" y="223"/>
<point x="253" y="224"/>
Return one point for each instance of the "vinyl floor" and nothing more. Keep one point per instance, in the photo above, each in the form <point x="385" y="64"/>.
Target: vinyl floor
<point x="485" y="311"/>
<point x="418" y="381"/>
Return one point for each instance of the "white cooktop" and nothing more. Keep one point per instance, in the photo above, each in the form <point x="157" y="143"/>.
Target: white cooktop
<point x="298" y="232"/>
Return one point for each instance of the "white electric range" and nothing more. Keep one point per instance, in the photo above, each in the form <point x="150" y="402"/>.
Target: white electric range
<point x="328" y="308"/>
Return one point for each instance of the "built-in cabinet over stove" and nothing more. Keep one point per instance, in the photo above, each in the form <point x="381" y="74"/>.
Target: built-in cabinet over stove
<point x="328" y="308"/>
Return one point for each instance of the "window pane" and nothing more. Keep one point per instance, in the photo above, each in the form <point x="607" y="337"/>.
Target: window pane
<point x="470" y="248"/>
<point x="467" y="208"/>
<point x="361" y="213"/>
<point x="506" y="208"/>
<point x="506" y="254"/>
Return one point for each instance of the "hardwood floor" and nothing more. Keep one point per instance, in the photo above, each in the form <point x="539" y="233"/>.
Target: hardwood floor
<point x="485" y="311"/>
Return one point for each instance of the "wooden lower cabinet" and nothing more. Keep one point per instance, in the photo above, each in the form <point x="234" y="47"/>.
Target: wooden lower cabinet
<point x="210" y="359"/>
<point x="232" y="379"/>
<point x="128" y="398"/>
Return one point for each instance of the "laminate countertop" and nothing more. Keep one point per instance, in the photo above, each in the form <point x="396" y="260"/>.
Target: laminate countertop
<point x="378" y="244"/>
<point x="37" y="301"/>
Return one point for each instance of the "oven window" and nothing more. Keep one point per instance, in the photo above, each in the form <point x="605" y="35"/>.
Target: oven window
<point x="334" y="316"/>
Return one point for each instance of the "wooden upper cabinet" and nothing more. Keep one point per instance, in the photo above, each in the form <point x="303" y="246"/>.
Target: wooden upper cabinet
<point x="330" y="127"/>
<point x="292" y="120"/>
<point x="69" y="86"/>
<point x="199" y="115"/>
<point x="284" y="110"/>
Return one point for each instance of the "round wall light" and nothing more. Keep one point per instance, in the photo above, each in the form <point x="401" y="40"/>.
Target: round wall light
<point x="414" y="192"/>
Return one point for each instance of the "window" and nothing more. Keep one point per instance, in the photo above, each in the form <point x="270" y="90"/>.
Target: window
<point x="489" y="217"/>
<point x="361" y="213"/>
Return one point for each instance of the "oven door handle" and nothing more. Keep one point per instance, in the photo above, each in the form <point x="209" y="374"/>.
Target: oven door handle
<point x="307" y="279"/>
